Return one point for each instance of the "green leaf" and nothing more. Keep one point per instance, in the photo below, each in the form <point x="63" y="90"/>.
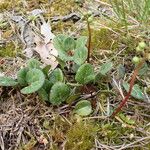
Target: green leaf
<point x="80" y="55"/>
<point x="69" y="44"/>
<point x="64" y="44"/>
<point x="33" y="63"/>
<point x="64" y="56"/>
<point x="47" y="85"/>
<point x="58" y="42"/>
<point x="98" y="77"/>
<point x="136" y="91"/>
<point x="61" y="62"/>
<point x="121" y="71"/>
<point x="7" y="81"/>
<point x="35" y="79"/>
<point x="143" y="70"/>
<point x="83" y="108"/>
<point x="59" y="93"/>
<point x="56" y="76"/>
<point x="81" y="42"/>
<point x="85" y="74"/>
<point x="46" y="70"/>
<point x="75" y="67"/>
<point x="127" y="119"/>
<point x="21" y="76"/>
<point x="43" y="94"/>
<point x="105" y="68"/>
<point x="72" y="98"/>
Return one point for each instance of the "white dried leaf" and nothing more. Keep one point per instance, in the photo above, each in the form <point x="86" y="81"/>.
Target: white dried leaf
<point x="1" y="34"/>
<point x="2" y="74"/>
<point x="28" y="52"/>
<point x="1" y="17"/>
<point x="36" y="12"/>
<point x="46" y="32"/>
<point x="17" y="18"/>
<point x="48" y="54"/>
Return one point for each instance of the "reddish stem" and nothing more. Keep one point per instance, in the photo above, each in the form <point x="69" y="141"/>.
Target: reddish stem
<point x="133" y="78"/>
<point x="89" y="41"/>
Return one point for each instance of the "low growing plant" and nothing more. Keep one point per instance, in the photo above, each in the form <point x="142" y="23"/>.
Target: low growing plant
<point x="57" y="86"/>
<point x="133" y="90"/>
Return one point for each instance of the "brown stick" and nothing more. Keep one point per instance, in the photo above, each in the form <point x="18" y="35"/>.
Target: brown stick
<point x="133" y="78"/>
<point x="89" y="41"/>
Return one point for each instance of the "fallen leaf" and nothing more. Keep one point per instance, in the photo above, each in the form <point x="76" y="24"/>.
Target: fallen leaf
<point x="28" y="52"/>
<point x="43" y="140"/>
<point x="46" y="32"/>
<point x="36" y="12"/>
<point x="1" y="74"/>
<point x="48" y="54"/>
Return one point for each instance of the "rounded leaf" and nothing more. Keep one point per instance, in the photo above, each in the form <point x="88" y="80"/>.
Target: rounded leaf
<point x="69" y="44"/>
<point x="105" y="68"/>
<point x="80" y="55"/>
<point x="136" y="91"/>
<point x="7" y="81"/>
<point x="56" y="75"/>
<point x="35" y="78"/>
<point x="65" y="56"/>
<point x="81" y="42"/>
<point x="43" y="94"/>
<point x="47" y="85"/>
<point x="144" y="70"/>
<point x="33" y="63"/>
<point x="21" y="76"/>
<point x="83" y="108"/>
<point x="58" y="42"/>
<point x="59" y="93"/>
<point x="121" y="71"/>
<point x="85" y="74"/>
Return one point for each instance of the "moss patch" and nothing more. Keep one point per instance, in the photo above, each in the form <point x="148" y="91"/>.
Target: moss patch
<point x="10" y="4"/>
<point x="81" y="136"/>
<point x="102" y="39"/>
<point x="9" y="50"/>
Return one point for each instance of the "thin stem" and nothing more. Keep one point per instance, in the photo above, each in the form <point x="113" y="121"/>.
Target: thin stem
<point x="89" y="41"/>
<point x="130" y="89"/>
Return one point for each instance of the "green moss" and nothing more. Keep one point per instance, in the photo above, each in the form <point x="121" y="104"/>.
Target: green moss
<point x="30" y="145"/>
<point x="9" y="50"/>
<point x="112" y="132"/>
<point x="130" y="43"/>
<point x="63" y="27"/>
<point x="102" y="39"/>
<point x="56" y="128"/>
<point x="80" y="136"/>
<point x="9" y="4"/>
<point x="63" y="7"/>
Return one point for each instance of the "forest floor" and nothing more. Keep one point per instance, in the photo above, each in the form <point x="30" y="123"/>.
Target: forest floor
<point x="27" y="123"/>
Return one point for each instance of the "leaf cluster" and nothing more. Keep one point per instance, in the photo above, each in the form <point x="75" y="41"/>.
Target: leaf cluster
<point x="54" y="86"/>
